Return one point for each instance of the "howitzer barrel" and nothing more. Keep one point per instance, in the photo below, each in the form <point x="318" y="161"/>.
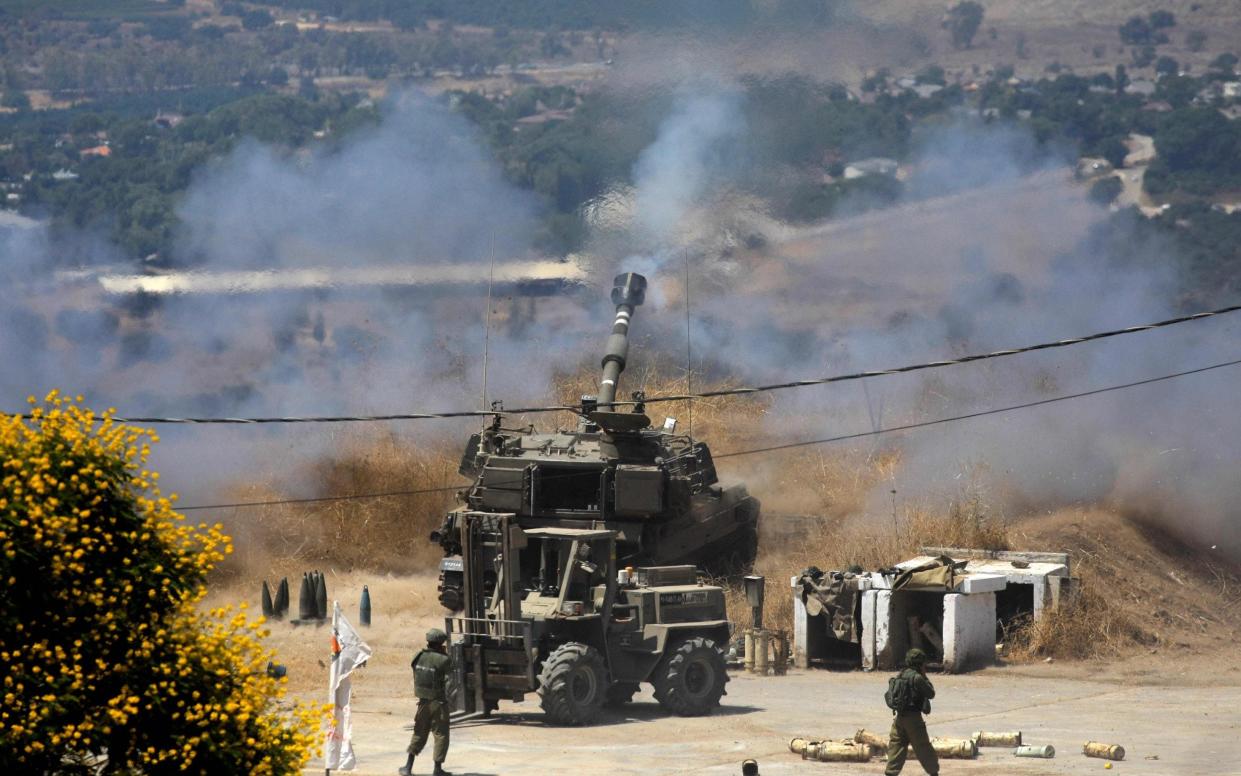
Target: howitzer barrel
<point x="628" y="291"/>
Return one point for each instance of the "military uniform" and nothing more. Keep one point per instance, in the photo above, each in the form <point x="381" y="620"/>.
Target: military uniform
<point x="908" y="727"/>
<point x="431" y="668"/>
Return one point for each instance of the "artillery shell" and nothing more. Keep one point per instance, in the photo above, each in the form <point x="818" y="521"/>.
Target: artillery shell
<point x="1103" y="751"/>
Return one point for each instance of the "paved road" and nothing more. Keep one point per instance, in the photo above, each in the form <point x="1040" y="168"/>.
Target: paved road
<point x="1171" y="731"/>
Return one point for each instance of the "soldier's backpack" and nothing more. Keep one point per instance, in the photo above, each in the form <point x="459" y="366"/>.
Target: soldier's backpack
<point x="900" y="694"/>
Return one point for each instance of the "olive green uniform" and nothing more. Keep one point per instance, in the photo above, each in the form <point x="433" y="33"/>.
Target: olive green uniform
<point x="430" y="685"/>
<point x="908" y="728"/>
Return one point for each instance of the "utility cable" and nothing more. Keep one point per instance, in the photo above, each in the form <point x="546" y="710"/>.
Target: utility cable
<point x="691" y="396"/>
<point x="773" y="448"/>
<point x="321" y="499"/>
<point x="979" y="414"/>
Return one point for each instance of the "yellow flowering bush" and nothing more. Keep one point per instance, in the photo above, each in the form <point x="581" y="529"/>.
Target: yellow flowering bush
<point x="107" y="660"/>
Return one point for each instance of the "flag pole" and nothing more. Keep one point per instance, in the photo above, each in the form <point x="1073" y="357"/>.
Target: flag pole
<point x="333" y="668"/>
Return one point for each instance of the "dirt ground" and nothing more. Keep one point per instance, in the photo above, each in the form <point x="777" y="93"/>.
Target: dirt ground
<point x="1049" y="705"/>
<point x="1174" y="711"/>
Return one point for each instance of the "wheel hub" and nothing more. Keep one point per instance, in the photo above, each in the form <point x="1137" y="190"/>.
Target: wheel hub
<point x="582" y="687"/>
<point x="698" y="677"/>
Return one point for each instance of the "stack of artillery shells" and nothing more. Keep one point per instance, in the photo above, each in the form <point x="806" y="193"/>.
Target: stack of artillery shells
<point x="878" y="744"/>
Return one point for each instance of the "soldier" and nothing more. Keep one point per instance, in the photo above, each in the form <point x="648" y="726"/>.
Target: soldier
<point x="909" y="696"/>
<point x="431" y="667"/>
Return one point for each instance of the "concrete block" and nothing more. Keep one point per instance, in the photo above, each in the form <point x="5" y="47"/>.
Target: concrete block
<point x="801" y="637"/>
<point x="982" y="583"/>
<point x="876" y="623"/>
<point x="881" y="638"/>
<point x="969" y="631"/>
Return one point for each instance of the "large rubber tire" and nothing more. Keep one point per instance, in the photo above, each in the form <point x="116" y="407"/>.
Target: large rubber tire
<point x="620" y="693"/>
<point x="690" y="680"/>
<point x="573" y="684"/>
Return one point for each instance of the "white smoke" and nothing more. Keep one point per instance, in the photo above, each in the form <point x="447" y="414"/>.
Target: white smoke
<point x="416" y="188"/>
<point x="690" y="154"/>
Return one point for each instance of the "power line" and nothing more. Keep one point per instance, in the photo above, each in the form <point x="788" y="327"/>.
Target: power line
<point x="979" y="414"/>
<point x="787" y="446"/>
<point x="691" y="396"/>
<point x="322" y="499"/>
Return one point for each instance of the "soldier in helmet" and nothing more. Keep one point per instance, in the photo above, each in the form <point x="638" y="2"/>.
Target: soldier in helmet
<point x="431" y="667"/>
<point x="909" y="696"/>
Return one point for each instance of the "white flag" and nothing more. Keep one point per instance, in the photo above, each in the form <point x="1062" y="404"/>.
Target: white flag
<point x="348" y="652"/>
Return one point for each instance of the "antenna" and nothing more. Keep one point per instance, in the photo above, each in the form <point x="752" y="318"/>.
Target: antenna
<point x="491" y="280"/>
<point x="689" y="355"/>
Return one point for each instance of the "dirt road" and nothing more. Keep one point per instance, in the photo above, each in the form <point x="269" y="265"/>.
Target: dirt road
<point x="1179" y="707"/>
<point x="1181" y="731"/>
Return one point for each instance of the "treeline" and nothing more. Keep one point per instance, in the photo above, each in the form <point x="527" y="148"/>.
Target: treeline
<point x="104" y="57"/>
<point x="795" y="129"/>
<point x="1198" y="147"/>
<point x="573" y="14"/>
<point x="1195" y="243"/>
<point x="130" y="191"/>
<point x="795" y="138"/>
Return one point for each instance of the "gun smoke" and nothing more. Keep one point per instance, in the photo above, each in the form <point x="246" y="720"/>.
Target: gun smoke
<point x="984" y="252"/>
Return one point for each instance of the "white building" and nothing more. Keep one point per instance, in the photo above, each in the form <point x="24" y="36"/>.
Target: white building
<point x="955" y="613"/>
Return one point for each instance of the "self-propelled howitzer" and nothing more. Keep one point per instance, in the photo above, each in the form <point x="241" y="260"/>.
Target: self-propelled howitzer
<point x="657" y="489"/>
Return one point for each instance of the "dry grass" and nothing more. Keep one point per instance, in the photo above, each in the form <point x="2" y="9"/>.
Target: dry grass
<point x="1090" y="626"/>
<point x="387" y="534"/>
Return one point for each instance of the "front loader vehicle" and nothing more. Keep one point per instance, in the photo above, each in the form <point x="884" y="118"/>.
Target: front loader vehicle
<point x="558" y="618"/>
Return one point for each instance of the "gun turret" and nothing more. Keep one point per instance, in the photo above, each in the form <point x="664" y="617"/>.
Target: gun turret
<point x="657" y="490"/>
<point x="628" y="291"/>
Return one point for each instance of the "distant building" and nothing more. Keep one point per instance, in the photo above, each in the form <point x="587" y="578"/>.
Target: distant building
<point x="1140" y="87"/>
<point x="99" y="150"/>
<point x="168" y="120"/>
<point x="1230" y="89"/>
<point x="873" y="166"/>
<point x="64" y="175"/>
<point x="1091" y="166"/>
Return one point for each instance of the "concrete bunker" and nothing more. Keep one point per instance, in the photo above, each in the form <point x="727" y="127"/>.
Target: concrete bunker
<point x="954" y="603"/>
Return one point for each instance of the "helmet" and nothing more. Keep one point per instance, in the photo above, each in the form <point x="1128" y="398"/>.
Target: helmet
<point x="435" y="637"/>
<point x="749" y="768"/>
<point x="915" y="658"/>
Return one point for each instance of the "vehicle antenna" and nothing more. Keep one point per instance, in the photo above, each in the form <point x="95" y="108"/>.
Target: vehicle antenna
<point x="491" y="279"/>
<point x="689" y="356"/>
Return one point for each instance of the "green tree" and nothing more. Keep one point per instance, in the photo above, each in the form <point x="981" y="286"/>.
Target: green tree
<point x="1136" y="31"/>
<point x="963" y="21"/>
<point x="109" y="667"/>
<point x="1225" y="63"/>
<point x="1162" y="20"/>
<point x="931" y="74"/>
<point x="257" y="20"/>
<point x="1105" y="190"/>
<point x="15" y="99"/>
<point x="1167" y="66"/>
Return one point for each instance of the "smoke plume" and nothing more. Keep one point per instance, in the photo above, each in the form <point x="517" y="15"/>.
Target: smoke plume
<point x="990" y="247"/>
